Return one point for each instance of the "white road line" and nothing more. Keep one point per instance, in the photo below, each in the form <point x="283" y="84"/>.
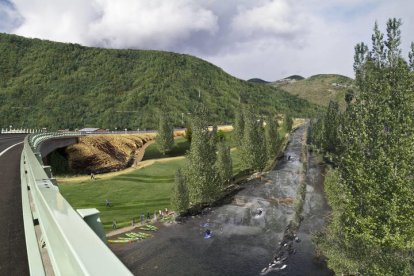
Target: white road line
<point x="4" y="151"/>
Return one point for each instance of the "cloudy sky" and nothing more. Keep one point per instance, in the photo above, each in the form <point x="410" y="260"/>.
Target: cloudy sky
<point x="269" y="39"/>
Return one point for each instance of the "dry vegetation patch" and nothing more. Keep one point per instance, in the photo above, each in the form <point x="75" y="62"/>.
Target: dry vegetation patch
<point x="320" y="89"/>
<point x="105" y="153"/>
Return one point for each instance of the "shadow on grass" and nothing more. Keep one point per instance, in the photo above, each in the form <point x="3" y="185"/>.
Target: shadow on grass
<point x="181" y="145"/>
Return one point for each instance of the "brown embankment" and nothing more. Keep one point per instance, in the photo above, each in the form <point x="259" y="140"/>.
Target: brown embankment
<point x="106" y="153"/>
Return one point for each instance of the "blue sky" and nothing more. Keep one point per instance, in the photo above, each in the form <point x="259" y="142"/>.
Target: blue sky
<point x="269" y="39"/>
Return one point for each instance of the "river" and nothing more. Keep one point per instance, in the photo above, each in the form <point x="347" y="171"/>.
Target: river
<point x="246" y="232"/>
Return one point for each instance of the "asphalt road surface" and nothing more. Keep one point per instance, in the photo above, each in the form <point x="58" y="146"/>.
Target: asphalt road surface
<point x="13" y="256"/>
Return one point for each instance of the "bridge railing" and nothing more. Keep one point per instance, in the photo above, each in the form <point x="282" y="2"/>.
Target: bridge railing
<point x="58" y="240"/>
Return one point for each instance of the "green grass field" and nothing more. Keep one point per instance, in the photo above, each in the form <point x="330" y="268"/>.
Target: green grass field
<point x="140" y="191"/>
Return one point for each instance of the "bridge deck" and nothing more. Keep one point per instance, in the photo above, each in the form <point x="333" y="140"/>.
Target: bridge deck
<point x="13" y="256"/>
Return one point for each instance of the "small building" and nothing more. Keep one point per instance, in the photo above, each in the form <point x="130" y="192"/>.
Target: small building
<point x="92" y="130"/>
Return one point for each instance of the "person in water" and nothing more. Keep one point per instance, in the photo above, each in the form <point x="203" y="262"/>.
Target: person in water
<point x="208" y="232"/>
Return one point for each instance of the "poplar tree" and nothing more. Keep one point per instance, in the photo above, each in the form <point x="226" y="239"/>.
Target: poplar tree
<point x="238" y="127"/>
<point x="411" y="57"/>
<point x="372" y="192"/>
<point x="253" y="148"/>
<point x="393" y="41"/>
<point x="201" y="176"/>
<point x="331" y="125"/>
<point x="179" y="196"/>
<point x="288" y="122"/>
<point x="360" y="57"/>
<point x="318" y="132"/>
<point x="224" y="165"/>
<point x="378" y="48"/>
<point x="262" y="146"/>
<point x="165" y="135"/>
<point x="272" y="137"/>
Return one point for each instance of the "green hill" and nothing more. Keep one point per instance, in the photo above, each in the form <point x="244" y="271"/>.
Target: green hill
<point x="319" y="89"/>
<point x="295" y="77"/>
<point x="257" y="80"/>
<point x="58" y="85"/>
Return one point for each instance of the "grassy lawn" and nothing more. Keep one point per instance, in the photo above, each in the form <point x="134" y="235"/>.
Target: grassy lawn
<point x="141" y="191"/>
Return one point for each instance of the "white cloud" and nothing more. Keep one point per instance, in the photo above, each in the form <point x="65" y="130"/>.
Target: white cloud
<point x="150" y="24"/>
<point x="274" y="18"/>
<point x="58" y="20"/>
<point x="155" y="24"/>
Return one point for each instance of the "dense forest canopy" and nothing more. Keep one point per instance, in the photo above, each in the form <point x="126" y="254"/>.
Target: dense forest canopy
<point x="58" y="85"/>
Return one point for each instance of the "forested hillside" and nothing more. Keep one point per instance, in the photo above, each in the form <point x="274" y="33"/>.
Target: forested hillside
<point x="57" y="85"/>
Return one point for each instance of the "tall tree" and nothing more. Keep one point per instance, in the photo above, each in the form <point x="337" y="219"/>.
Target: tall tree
<point x="239" y="126"/>
<point x="261" y="146"/>
<point x="165" y="135"/>
<point x="331" y="121"/>
<point x="179" y="196"/>
<point x="411" y="57"/>
<point x="288" y="122"/>
<point x="224" y="165"/>
<point x="360" y="57"/>
<point x="253" y="148"/>
<point x="188" y="132"/>
<point x="393" y="41"/>
<point x="201" y="175"/>
<point x="272" y="137"/>
<point x="378" y="52"/>
<point x="372" y="194"/>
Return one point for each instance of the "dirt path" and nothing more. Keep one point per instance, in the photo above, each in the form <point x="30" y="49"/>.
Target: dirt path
<point x="138" y="157"/>
<point x="140" y="165"/>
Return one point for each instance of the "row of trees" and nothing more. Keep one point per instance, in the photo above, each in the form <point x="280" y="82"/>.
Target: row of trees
<point x="209" y="165"/>
<point x="258" y="137"/>
<point x="371" y="191"/>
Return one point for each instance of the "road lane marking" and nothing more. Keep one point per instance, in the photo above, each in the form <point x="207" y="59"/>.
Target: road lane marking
<point x="4" y="151"/>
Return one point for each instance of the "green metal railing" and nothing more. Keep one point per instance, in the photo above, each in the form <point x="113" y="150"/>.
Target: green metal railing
<point x="58" y="240"/>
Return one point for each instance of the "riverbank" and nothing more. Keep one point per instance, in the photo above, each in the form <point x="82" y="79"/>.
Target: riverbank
<point x="296" y="253"/>
<point x="245" y="230"/>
